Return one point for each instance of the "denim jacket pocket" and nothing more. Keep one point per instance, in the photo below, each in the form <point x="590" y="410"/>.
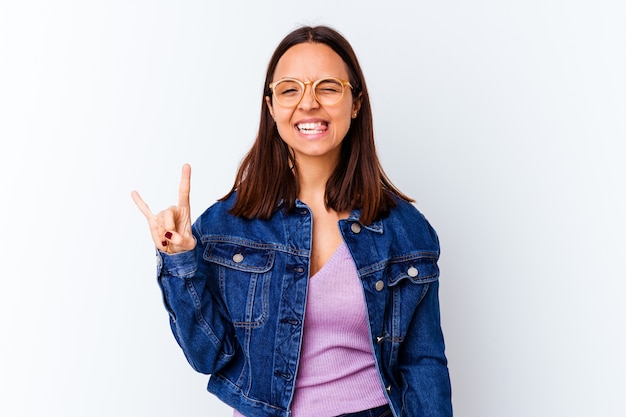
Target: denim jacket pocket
<point x="244" y="277"/>
<point x="408" y="278"/>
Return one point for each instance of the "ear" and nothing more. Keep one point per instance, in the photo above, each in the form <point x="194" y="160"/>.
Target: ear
<point x="356" y="105"/>
<point x="268" y="101"/>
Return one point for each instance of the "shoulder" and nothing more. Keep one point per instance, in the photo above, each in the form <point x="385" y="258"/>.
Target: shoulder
<point x="217" y="214"/>
<point x="406" y="212"/>
<point x="218" y="222"/>
<point x="405" y="223"/>
<point x="219" y="208"/>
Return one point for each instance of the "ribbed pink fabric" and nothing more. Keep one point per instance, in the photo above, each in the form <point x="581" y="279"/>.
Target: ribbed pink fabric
<point x="337" y="373"/>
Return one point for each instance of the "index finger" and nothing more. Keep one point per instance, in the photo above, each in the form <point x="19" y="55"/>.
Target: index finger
<point x="185" y="187"/>
<point x="143" y="207"/>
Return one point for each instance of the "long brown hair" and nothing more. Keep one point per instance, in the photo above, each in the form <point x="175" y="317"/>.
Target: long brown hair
<point x="268" y="178"/>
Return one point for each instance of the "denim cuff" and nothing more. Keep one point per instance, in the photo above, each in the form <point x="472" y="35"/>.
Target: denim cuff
<point x="181" y="264"/>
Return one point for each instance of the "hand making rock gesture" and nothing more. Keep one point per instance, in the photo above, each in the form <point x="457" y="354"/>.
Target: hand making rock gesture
<point x="171" y="228"/>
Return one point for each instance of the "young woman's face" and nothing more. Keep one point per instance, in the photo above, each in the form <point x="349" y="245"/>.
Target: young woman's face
<point x="311" y="129"/>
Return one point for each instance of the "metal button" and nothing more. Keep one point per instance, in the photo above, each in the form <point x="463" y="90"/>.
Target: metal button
<point x="380" y="285"/>
<point x="238" y="257"/>
<point x="356" y="228"/>
<point x="379" y="339"/>
<point x="299" y="269"/>
<point x="412" y="272"/>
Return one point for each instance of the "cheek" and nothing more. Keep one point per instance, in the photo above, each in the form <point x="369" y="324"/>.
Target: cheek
<point x="282" y="115"/>
<point x="283" y="122"/>
<point x="348" y="109"/>
<point x="344" y="116"/>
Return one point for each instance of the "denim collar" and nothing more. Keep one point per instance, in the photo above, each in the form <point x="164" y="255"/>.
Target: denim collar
<point x="354" y="216"/>
<point x="376" y="226"/>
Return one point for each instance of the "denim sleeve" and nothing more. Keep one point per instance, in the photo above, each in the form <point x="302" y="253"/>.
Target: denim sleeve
<point x="197" y="315"/>
<point x="423" y="363"/>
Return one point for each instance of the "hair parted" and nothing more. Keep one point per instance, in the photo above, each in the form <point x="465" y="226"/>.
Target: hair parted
<point x="267" y="178"/>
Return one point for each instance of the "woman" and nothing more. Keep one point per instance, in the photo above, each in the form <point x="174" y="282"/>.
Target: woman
<point x="310" y="289"/>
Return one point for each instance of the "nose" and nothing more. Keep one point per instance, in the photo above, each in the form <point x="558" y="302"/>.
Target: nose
<point x="308" y="100"/>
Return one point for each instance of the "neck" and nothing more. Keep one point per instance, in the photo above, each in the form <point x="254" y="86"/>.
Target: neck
<point x="313" y="176"/>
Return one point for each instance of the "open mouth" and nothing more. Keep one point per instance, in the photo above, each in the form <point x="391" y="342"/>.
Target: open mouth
<point x="312" y="128"/>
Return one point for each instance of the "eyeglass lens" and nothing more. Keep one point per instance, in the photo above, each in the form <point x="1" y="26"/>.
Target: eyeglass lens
<point x="327" y="91"/>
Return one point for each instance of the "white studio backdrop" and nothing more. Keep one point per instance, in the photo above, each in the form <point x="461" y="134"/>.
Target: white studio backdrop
<point x="504" y="119"/>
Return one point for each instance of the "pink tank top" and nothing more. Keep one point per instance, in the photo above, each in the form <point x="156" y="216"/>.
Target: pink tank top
<point x="337" y="373"/>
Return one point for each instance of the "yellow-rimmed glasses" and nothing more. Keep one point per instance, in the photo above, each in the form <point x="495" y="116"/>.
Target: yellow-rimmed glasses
<point x="327" y="91"/>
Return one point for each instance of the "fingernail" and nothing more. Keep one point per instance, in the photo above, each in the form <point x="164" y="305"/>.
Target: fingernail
<point x="164" y="243"/>
<point x="168" y="235"/>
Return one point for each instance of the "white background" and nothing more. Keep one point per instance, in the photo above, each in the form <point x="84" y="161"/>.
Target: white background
<point x="504" y="119"/>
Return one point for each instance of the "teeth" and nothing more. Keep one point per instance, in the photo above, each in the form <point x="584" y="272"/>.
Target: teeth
<point x="311" y="127"/>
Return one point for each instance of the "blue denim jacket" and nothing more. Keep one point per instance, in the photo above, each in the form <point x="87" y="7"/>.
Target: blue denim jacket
<point x="237" y="303"/>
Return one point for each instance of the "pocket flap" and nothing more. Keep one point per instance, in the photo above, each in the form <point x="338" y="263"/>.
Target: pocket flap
<point x="239" y="257"/>
<point x="418" y="270"/>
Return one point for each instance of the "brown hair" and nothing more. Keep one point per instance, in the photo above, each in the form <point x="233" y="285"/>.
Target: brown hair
<point x="268" y="179"/>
